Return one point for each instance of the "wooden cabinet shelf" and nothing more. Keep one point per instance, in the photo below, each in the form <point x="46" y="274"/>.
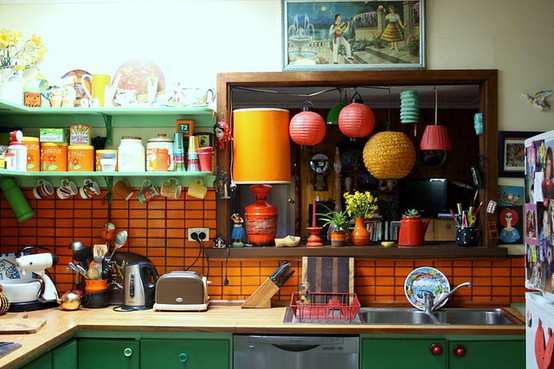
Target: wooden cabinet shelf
<point x="443" y="251"/>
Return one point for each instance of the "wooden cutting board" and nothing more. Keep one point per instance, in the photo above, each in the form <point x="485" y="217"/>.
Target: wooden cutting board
<point x="21" y="325"/>
<point x="329" y="274"/>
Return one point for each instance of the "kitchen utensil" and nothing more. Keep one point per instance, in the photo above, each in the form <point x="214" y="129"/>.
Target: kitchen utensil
<point x="279" y="271"/>
<point x="7" y="347"/>
<point x="119" y="241"/>
<point x="79" y="269"/>
<point x="93" y="273"/>
<point x="70" y="300"/>
<point x="261" y="298"/>
<point x="19" y="326"/>
<point x="285" y="279"/>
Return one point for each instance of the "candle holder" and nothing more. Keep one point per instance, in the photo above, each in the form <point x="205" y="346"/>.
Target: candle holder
<point x="314" y="240"/>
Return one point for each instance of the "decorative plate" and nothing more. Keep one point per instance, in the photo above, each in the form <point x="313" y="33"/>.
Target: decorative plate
<point x="138" y="75"/>
<point x="77" y="74"/>
<point x="425" y="279"/>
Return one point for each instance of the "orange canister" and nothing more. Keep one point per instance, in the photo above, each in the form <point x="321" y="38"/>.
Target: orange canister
<point x="53" y="156"/>
<point x="33" y="153"/>
<point x="80" y="158"/>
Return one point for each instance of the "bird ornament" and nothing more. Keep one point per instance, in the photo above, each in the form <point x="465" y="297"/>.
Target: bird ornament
<point x="539" y="99"/>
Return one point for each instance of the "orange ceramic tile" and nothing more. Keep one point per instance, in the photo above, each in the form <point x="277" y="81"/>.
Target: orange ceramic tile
<point x="156" y="223"/>
<point x="463" y="272"/>
<point x="174" y="240"/>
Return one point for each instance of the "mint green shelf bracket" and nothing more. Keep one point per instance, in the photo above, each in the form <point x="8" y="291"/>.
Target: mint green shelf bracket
<point x="108" y="123"/>
<point x="109" y="195"/>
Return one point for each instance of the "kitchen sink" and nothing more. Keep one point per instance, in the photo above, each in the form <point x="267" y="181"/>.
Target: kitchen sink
<point x="445" y="316"/>
<point x="451" y="316"/>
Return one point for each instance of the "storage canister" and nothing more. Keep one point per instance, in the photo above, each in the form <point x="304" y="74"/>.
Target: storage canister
<point x="131" y="155"/>
<point x="109" y="157"/>
<point x="33" y="153"/>
<point x="53" y="156"/>
<point x="80" y="158"/>
<point x="19" y="161"/>
<point x="156" y="150"/>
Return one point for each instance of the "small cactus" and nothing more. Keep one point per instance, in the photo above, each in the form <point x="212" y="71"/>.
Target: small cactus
<point x="412" y="213"/>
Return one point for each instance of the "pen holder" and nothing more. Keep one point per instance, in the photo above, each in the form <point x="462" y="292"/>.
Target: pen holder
<point x="467" y="236"/>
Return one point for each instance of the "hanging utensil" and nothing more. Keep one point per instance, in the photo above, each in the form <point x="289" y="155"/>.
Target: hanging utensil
<point x="119" y="241"/>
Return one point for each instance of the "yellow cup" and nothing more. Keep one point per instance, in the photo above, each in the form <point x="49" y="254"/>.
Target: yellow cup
<point x="99" y="83"/>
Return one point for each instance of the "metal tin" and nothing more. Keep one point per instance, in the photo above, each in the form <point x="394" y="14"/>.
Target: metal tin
<point x="53" y="156"/>
<point x="159" y="154"/>
<point x="33" y="153"/>
<point x="80" y="158"/>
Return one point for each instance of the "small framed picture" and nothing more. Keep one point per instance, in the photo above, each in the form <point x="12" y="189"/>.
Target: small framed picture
<point x="205" y="139"/>
<point x="511" y="152"/>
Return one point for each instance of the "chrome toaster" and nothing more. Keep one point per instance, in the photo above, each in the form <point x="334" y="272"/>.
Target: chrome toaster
<point x="181" y="291"/>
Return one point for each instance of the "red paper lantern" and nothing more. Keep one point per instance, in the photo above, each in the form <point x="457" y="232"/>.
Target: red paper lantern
<point x="307" y="128"/>
<point x="356" y="119"/>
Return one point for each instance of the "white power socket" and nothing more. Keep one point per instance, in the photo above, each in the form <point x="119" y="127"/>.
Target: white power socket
<point x="198" y="231"/>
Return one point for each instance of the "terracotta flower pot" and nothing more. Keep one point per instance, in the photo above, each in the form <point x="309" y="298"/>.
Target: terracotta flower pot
<point x="338" y="238"/>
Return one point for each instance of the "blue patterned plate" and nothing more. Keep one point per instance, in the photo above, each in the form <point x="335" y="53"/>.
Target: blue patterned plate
<point x="425" y="279"/>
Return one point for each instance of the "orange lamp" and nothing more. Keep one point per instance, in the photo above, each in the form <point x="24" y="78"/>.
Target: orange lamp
<point x="307" y="128"/>
<point x="261" y="155"/>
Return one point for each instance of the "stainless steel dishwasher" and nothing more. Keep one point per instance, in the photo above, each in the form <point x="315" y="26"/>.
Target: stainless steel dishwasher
<point x="295" y="352"/>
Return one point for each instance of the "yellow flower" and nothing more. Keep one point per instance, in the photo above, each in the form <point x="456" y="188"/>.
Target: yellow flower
<point x="360" y="204"/>
<point x="17" y="54"/>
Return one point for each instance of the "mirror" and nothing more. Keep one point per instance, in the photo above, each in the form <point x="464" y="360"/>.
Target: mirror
<point x="480" y="86"/>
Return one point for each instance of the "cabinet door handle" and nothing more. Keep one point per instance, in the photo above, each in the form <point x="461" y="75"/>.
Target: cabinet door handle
<point x="183" y="357"/>
<point x="436" y="349"/>
<point x="460" y="351"/>
<point x="127" y="352"/>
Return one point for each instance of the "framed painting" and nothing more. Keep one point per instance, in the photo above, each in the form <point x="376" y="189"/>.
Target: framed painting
<point x="353" y="35"/>
<point x="511" y="152"/>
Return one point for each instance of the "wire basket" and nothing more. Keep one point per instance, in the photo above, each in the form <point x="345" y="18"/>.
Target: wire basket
<point x="321" y="307"/>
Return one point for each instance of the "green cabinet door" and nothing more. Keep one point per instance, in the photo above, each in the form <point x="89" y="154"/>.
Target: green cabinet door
<point x="42" y="362"/>
<point x="202" y="353"/>
<point x="472" y="354"/>
<point x="403" y="353"/>
<point x="97" y="353"/>
<point x="65" y="356"/>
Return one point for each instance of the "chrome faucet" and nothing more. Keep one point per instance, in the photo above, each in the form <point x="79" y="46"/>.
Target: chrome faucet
<point x="429" y="302"/>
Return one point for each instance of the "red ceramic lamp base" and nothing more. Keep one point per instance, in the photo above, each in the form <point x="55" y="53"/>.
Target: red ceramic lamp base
<point x="314" y="240"/>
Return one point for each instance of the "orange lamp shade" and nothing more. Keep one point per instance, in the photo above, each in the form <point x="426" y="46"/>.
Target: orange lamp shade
<point x="435" y="137"/>
<point x="261" y="146"/>
<point x="356" y="120"/>
<point x="307" y="128"/>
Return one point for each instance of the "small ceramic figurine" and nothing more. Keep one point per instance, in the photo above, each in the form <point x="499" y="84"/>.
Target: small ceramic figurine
<point x="238" y="230"/>
<point x="222" y="134"/>
<point x="539" y="99"/>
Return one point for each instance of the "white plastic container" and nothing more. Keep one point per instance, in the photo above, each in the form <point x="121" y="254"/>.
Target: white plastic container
<point x="131" y="155"/>
<point x="19" y="151"/>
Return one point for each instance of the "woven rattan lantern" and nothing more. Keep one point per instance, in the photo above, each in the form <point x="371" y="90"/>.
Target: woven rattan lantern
<point x="389" y="155"/>
<point x="307" y="127"/>
<point x="356" y="119"/>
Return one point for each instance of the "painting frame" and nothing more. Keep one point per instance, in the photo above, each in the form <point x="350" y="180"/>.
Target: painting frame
<point x="308" y="46"/>
<point x="510" y="163"/>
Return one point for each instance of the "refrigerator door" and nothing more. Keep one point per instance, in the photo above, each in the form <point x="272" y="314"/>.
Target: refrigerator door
<point x="539" y="332"/>
<point x="539" y="214"/>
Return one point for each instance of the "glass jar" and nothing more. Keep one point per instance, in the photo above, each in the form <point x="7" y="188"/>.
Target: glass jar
<point x="131" y="155"/>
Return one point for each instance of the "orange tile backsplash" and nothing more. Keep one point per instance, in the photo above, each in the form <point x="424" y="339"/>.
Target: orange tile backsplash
<point x="158" y="230"/>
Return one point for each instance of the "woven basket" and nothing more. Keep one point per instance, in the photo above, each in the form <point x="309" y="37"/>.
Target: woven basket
<point x="389" y="155"/>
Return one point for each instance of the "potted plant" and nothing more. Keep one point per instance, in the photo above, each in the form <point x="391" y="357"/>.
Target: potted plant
<point x="338" y="222"/>
<point x="360" y="206"/>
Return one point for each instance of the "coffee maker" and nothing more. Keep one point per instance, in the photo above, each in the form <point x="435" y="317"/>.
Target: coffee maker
<point x="139" y="286"/>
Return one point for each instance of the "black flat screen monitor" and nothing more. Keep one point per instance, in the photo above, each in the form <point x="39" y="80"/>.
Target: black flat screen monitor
<point x="429" y="196"/>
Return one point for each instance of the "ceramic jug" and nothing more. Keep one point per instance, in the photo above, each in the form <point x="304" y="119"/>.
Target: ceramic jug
<point x="412" y="231"/>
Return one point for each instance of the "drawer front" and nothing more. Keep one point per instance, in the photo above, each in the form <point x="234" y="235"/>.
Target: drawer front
<point x="185" y="353"/>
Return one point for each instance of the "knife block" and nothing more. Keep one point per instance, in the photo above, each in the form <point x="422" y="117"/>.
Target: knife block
<point x="261" y="298"/>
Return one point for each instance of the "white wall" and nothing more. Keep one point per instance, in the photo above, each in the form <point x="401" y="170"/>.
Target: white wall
<point x="194" y="40"/>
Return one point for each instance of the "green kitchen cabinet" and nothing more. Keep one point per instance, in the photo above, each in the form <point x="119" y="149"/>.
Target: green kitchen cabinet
<point x="487" y="353"/>
<point x="403" y="353"/>
<point x="442" y="351"/>
<point x="202" y="352"/>
<point x="97" y="353"/>
<point x="65" y="356"/>
<point x="44" y="361"/>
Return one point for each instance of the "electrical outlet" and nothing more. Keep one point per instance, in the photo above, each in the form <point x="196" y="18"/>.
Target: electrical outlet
<point x="206" y="231"/>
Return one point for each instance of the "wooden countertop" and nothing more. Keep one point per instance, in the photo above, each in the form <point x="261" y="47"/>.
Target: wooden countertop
<point x="62" y="324"/>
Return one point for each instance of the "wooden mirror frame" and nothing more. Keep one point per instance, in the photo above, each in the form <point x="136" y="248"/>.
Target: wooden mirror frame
<point x="487" y="80"/>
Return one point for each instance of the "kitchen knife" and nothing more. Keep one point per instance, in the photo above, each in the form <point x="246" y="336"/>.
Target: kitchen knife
<point x="7" y="347"/>
<point x="284" y="279"/>
<point x="279" y="271"/>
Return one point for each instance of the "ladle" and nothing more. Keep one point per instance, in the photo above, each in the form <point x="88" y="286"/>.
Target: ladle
<point x="119" y="241"/>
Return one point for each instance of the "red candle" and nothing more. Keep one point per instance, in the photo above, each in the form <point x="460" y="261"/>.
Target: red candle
<point x="314" y="221"/>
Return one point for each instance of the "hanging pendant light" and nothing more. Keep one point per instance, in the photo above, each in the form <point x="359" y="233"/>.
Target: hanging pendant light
<point x="409" y="106"/>
<point x="333" y="116"/>
<point x="356" y="119"/>
<point x="307" y="128"/>
<point x="435" y="137"/>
